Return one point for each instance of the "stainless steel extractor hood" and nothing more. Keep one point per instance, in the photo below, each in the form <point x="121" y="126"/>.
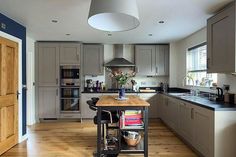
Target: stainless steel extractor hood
<point x="119" y="60"/>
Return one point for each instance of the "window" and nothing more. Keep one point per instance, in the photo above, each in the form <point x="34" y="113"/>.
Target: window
<point x="197" y="67"/>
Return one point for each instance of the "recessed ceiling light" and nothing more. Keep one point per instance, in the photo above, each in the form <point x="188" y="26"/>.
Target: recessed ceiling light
<point x="68" y="34"/>
<point x="109" y="34"/>
<point x="161" y="22"/>
<point x="150" y="35"/>
<point x="54" y="21"/>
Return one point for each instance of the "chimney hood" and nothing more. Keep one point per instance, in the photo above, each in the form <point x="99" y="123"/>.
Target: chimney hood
<point x="119" y="60"/>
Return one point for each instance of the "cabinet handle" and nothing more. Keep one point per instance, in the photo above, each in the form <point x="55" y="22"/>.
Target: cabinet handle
<point x="57" y="92"/>
<point x="57" y="81"/>
<point x="192" y="113"/>
<point x="208" y="60"/>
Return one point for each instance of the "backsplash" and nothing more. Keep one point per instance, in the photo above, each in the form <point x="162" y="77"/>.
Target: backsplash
<point x="142" y="81"/>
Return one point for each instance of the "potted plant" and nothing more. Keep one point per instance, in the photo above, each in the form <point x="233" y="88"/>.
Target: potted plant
<point x="122" y="78"/>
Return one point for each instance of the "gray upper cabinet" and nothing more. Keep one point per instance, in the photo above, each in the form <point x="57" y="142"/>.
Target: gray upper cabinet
<point x="47" y="59"/>
<point x="93" y="60"/>
<point x="145" y="60"/>
<point x="162" y="60"/>
<point x="152" y="60"/>
<point x="221" y="41"/>
<point x="70" y="53"/>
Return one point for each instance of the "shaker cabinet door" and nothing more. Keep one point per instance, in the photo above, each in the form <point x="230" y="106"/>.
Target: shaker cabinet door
<point x="186" y="121"/>
<point x="48" y="102"/>
<point x="48" y="64"/>
<point x="221" y="42"/>
<point x="93" y="60"/>
<point x="145" y="60"/>
<point x="203" y="131"/>
<point x="70" y="53"/>
<point x="162" y="60"/>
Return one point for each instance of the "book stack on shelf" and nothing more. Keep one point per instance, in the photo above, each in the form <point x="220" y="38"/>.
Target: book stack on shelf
<point x="131" y="119"/>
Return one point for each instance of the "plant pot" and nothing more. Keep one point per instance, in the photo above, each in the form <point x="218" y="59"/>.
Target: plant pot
<point x="122" y="93"/>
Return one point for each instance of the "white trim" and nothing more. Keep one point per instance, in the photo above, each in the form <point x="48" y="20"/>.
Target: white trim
<point x="19" y="41"/>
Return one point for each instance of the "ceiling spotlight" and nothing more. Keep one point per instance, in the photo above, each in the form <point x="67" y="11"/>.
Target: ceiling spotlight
<point x="161" y="22"/>
<point x="67" y="34"/>
<point x="109" y="34"/>
<point x="54" y="21"/>
<point x="150" y="35"/>
<point x="113" y="15"/>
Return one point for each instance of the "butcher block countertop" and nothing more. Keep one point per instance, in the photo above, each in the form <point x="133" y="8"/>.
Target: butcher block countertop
<point x="132" y="101"/>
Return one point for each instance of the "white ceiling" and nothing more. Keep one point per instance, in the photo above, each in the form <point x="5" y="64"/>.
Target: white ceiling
<point x="182" y="18"/>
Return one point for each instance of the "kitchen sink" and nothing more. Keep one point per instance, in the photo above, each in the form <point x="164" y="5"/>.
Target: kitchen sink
<point x="180" y="94"/>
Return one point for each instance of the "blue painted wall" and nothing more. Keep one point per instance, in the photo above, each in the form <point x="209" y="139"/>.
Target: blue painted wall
<point x="15" y="29"/>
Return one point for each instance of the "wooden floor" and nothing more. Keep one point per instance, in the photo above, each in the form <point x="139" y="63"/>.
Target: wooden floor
<point x="73" y="139"/>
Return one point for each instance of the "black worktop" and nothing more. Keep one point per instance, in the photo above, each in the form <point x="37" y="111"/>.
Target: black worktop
<point x="100" y="92"/>
<point x="204" y="102"/>
<point x="196" y="100"/>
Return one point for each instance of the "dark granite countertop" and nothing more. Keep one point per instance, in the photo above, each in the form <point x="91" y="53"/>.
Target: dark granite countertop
<point x="87" y="92"/>
<point x="203" y="102"/>
<point x="181" y="95"/>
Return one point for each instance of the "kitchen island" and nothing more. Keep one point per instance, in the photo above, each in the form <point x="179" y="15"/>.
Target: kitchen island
<point x="109" y="102"/>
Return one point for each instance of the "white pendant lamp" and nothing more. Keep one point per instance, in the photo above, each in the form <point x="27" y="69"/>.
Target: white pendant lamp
<point x="113" y="15"/>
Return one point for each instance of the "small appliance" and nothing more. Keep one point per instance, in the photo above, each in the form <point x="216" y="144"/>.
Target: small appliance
<point x="89" y="85"/>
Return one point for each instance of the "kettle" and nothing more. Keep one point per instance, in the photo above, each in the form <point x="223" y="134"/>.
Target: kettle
<point x="220" y="95"/>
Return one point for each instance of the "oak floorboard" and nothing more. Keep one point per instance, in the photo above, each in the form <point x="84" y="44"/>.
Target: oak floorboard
<point x="73" y="139"/>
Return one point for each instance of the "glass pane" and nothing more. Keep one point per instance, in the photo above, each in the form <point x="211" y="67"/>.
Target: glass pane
<point x="201" y="79"/>
<point x="196" y="59"/>
<point x="70" y="92"/>
<point x="69" y="104"/>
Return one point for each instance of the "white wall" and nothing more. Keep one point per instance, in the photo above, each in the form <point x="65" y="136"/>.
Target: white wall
<point x="178" y="61"/>
<point x="30" y="51"/>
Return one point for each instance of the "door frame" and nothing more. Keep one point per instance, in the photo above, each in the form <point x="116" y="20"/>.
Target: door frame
<point x="19" y="41"/>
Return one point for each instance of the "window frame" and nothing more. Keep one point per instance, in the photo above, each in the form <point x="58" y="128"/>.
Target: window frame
<point x="195" y="71"/>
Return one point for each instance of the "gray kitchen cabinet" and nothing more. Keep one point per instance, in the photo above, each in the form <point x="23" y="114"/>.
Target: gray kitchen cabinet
<point x="151" y="99"/>
<point x="145" y="60"/>
<point x="152" y="60"/>
<point x="221" y="41"/>
<point x="186" y="121"/>
<point x="193" y="123"/>
<point x="172" y="113"/>
<point x="86" y="112"/>
<point x="162" y="60"/>
<point x="48" y="105"/>
<point x="93" y="59"/>
<point x="47" y="58"/>
<point x="70" y="53"/>
<point x="203" y="131"/>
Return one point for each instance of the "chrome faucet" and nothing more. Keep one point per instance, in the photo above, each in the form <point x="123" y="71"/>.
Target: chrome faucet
<point x="192" y="90"/>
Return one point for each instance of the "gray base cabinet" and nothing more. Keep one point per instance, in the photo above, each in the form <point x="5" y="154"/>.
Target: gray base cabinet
<point x="48" y="102"/>
<point x="193" y="123"/>
<point x="151" y="99"/>
<point x="86" y="112"/>
<point x="186" y="121"/>
<point x="210" y="132"/>
<point x="49" y="56"/>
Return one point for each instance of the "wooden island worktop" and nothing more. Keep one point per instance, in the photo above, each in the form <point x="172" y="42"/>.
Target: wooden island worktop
<point x="110" y="100"/>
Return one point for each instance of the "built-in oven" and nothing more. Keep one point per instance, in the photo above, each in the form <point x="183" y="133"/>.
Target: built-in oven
<point x="69" y="88"/>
